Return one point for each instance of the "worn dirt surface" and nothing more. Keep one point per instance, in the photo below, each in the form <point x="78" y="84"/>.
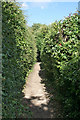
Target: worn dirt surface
<point x="37" y="97"/>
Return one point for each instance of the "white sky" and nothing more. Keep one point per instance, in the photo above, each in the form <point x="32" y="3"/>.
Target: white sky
<point x="47" y="0"/>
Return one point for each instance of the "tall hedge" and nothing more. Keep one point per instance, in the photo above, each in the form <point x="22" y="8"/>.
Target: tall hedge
<point x="39" y="31"/>
<point x="19" y="55"/>
<point x="61" y="61"/>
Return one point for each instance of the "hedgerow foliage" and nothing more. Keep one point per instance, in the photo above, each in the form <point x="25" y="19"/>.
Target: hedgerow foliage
<point x="19" y="55"/>
<point x="61" y="61"/>
<point x="39" y="31"/>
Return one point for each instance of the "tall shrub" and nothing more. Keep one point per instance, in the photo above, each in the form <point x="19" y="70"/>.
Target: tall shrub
<point x="61" y="60"/>
<point x="19" y="55"/>
<point x="39" y="31"/>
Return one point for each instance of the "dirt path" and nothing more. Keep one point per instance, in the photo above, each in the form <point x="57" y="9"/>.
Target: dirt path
<point x="36" y="96"/>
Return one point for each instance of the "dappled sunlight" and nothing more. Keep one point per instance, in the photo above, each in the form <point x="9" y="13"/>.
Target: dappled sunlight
<point x="37" y="97"/>
<point x="38" y="100"/>
<point x="40" y="109"/>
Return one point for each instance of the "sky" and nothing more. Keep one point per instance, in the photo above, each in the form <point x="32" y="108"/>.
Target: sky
<point x="48" y="11"/>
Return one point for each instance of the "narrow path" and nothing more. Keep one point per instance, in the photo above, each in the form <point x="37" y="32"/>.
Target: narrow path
<point x="36" y="96"/>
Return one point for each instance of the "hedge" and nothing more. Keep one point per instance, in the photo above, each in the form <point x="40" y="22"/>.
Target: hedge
<point x="19" y="55"/>
<point x="61" y="61"/>
<point x="39" y="31"/>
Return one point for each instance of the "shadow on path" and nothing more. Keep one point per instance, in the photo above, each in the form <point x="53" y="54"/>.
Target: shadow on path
<point x="39" y="111"/>
<point x="38" y="97"/>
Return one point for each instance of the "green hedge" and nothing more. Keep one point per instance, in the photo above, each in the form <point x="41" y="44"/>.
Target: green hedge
<point x="19" y="55"/>
<point x="39" y="31"/>
<point x="61" y="61"/>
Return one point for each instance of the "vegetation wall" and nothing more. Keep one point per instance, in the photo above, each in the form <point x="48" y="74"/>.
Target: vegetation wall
<point x="61" y="61"/>
<point x="19" y="55"/>
<point x="58" y="47"/>
<point x="39" y="31"/>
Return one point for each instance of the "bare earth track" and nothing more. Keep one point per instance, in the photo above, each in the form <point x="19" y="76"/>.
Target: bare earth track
<point x="37" y="98"/>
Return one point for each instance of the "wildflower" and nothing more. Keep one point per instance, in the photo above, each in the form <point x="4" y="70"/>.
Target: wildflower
<point x="60" y="44"/>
